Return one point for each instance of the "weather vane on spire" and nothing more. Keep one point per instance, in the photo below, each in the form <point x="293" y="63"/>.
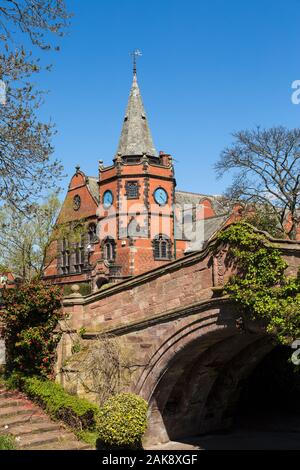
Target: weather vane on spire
<point x="136" y="53"/>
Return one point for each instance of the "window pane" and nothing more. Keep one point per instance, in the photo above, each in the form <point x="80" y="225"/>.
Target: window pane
<point x="131" y="190"/>
<point x="157" y="249"/>
<point x="163" y="249"/>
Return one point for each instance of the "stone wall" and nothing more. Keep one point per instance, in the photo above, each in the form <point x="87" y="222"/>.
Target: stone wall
<point x="189" y="347"/>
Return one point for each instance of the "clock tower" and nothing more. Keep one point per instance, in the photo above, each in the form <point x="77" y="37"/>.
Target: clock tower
<point x="136" y="194"/>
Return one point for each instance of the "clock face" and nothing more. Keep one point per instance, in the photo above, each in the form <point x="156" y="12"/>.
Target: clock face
<point x="76" y="202"/>
<point x="160" y="196"/>
<point x="107" y="199"/>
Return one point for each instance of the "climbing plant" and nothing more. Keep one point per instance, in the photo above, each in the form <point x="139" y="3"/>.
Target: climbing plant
<point x="30" y="317"/>
<point x="260" y="284"/>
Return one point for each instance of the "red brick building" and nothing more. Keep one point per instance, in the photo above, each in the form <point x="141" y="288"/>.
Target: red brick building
<point x="132" y="218"/>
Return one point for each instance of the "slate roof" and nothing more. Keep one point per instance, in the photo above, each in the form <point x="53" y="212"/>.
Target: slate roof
<point x="206" y="229"/>
<point x="218" y="203"/>
<point x="93" y="187"/>
<point x="136" y="137"/>
<point x="197" y="233"/>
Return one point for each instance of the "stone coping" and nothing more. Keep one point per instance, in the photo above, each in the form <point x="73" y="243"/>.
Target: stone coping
<point x="286" y="246"/>
<point x="136" y="325"/>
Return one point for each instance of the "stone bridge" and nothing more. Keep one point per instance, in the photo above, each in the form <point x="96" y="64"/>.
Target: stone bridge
<point x="192" y="348"/>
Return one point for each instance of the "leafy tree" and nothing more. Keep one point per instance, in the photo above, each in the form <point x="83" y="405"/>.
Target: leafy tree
<point x="26" y="167"/>
<point x="266" y="163"/>
<point x="25" y="239"/>
<point x="36" y="18"/>
<point x="260" y="217"/>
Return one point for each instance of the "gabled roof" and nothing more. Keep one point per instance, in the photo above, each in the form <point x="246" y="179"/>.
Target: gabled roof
<point x="136" y="137"/>
<point x="92" y="183"/>
<point x="206" y="229"/>
<point x="218" y="203"/>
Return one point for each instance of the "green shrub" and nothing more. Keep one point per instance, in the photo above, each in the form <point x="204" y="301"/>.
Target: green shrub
<point x="14" y="380"/>
<point x="76" y="412"/>
<point x="122" y="421"/>
<point x="7" y="442"/>
<point x="90" y="437"/>
<point x="30" y="317"/>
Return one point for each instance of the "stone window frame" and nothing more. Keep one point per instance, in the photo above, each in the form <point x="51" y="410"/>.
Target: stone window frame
<point x="76" y="202"/>
<point x="65" y="256"/>
<point x="73" y="254"/>
<point x="134" y="183"/>
<point x="79" y="255"/>
<point x="162" y="247"/>
<point x="109" y="246"/>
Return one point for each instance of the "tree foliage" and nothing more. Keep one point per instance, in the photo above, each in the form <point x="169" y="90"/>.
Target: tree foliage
<point x="266" y="163"/>
<point x="25" y="239"/>
<point x="261" y="287"/>
<point x="26" y="165"/>
<point x="263" y="219"/>
<point x="36" y="18"/>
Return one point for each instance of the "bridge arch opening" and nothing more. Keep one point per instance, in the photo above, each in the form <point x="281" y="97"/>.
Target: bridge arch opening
<point x="224" y="382"/>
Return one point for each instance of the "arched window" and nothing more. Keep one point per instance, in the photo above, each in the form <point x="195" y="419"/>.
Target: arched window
<point x="65" y="256"/>
<point x="162" y="247"/>
<point x="79" y="255"/>
<point x="109" y="249"/>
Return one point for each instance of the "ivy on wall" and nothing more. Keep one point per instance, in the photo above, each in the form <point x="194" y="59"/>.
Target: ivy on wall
<point x="260" y="285"/>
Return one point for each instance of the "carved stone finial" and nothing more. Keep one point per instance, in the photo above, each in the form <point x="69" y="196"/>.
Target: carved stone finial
<point x="75" y="291"/>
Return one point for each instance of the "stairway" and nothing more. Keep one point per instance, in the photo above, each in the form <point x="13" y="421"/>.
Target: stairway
<point x="32" y="427"/>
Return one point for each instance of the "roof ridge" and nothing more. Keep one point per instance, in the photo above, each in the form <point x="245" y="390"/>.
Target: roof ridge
<point x="197" y="194"/>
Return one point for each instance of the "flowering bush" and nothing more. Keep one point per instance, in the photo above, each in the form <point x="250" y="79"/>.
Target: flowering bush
<point x="30" y="317"/>
<point x="122" y="421"/>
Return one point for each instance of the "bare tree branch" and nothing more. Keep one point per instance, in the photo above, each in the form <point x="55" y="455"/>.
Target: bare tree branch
<point x="266" y="165"/>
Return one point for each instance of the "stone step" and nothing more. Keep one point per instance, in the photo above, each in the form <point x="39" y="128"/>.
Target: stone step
<point x="67" y="445"/>
<point x="6" y="402"/>
<point x="32" y="427"/>
<point x="19" y="419"/>
<point x="7" y="394"/>
<point x="22" y="429"/>
<point x="30" y="440"/>
<point x="14" y="411"/>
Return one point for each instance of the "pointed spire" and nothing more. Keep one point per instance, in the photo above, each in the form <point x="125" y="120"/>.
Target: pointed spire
<point x="136" y="137"/>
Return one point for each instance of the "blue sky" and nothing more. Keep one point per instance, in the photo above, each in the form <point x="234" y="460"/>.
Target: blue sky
<point x="209" y="67"/>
